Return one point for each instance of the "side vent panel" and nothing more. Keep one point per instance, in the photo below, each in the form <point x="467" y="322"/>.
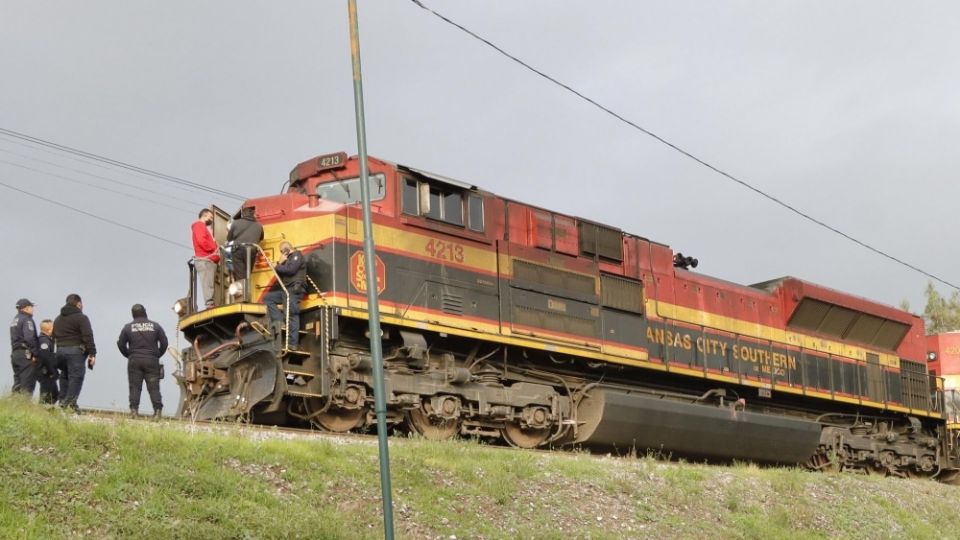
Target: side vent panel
<point x="451" y="303"/>
<point x="622" y="294"/>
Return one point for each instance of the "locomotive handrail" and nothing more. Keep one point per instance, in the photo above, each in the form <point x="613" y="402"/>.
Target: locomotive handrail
<point x="422" y="287"/>
<point x="286" y="307"/>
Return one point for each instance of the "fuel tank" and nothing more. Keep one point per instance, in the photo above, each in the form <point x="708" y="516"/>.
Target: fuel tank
<point x="623" y="421"/>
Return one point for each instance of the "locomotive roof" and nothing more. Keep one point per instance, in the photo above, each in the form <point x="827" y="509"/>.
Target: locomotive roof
<point x="834" y="296"/>
<point x="770" y="286"/>
<point x="438" y="177"/>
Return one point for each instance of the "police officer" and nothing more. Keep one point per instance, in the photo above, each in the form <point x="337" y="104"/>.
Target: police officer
<point x="142" y="342"/>
<point x="24" y="348"/>
<point x="73" y="336"/>
<point x="293" y="273"/>
<point x="47" y="375"/>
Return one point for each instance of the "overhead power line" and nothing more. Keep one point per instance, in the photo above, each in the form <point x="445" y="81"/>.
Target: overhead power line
<point x="120" y="164"/>
<point x="193" y="204"/>
<point x="95" y="216"/>
<point x="682" y="151"/>
<point x="103" y="166"/>
<point x="94" y="186"/>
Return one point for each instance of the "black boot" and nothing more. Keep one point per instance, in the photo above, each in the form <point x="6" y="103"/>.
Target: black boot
<point x="134" y="413"/>
<point x="157" y="414"/>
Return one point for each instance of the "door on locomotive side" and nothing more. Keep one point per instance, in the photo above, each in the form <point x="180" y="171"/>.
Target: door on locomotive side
<point x="220" y="227"/>
<point x="659" y="258"/>
<point x="623" y="302"/>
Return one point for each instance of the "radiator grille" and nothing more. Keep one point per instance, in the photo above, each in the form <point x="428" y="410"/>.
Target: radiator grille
<point x="914" y="385"/>
<point x="622" y="294"/>
<point x="553" y="279"/>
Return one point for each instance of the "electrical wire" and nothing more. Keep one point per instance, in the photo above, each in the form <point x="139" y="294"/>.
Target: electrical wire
<point x="94" y="216"/>
<point x="94" y="186"/>
<point x="120" y="164"/>
<point x="88" y="163"/>
<point x="682" y="151"/>
<point x="193" y="204"/>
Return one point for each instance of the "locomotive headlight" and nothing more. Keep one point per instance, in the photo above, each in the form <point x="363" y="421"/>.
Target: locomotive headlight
<point x="235" y="288"/>
<point x="931" y="356"/>
<point x="179" y="307"/>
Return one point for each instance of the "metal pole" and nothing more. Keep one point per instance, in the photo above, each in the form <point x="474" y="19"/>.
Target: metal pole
<point x="369" y="257"/>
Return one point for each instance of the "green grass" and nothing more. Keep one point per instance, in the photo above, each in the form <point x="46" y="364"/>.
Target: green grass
<point x="67" y="477"/>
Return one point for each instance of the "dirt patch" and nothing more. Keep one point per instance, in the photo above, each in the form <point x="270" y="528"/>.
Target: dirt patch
<point x="272" y="474"/>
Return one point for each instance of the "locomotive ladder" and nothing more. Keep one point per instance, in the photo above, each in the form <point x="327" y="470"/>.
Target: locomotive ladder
<point x="286" y="305"/>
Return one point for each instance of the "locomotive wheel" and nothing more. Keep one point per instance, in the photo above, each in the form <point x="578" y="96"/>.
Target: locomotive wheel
<point x="521" y="437"/>
<point x="340" y="420"/>
<point x="335" y="419"/>
<point x="432" y="428"/>
<point x="910" y="472"/>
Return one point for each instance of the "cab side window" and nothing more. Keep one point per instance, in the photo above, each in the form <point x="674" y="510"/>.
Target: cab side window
<point x="442" y="202"/>
<point x="445" y="205"/>
<point x="411" y="197"/>
<point x="475" y="210"/>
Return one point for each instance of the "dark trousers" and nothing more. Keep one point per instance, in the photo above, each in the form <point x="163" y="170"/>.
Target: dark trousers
<point x="48" y="387"/>
<point x="238" y="265"/>
<point x="24" y="372"/>
<point x="47" y="378"/>
<point x="140" y="370"/>
<point x="277" y="296"/>
<point x="62" y="375"/>
<point x="75" y="361"/>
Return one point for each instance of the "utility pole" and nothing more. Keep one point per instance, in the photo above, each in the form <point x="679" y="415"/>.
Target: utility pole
<point x="370" y="264"/>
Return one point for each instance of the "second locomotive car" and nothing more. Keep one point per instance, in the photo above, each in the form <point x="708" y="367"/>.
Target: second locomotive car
<point x="505" y="320"/>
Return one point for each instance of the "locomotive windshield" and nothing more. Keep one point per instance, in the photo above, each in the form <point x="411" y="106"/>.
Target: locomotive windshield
<point x="348" y="191"/>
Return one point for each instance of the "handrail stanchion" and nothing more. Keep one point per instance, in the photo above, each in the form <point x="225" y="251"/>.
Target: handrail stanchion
<point x="247" y="297"/>
<point x="192" y="293"/>
<point x="286" y="310"/>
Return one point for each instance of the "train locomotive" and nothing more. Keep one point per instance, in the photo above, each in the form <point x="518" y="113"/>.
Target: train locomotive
<point x="502" y="320"/>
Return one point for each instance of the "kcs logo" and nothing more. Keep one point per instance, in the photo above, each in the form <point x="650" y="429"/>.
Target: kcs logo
<point x="358" y="273"/>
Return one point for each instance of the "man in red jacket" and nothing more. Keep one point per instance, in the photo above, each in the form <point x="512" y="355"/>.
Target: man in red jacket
<point x="206" y="254"/>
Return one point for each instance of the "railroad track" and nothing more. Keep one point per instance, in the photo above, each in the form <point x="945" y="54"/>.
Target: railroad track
<point x="248" y="427"/>
<point x="265" y="431"/>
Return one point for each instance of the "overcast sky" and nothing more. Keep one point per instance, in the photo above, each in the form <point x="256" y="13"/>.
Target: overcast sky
<point x="848" y="111"/>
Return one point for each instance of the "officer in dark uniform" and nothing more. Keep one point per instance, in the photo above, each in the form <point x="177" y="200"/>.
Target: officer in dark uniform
<point x="47" y="376"/>
<point x="24" y="348"/>
<point x="74" y="338"/>
<point x="142" y="342"/>
<point x="292" y="270"/>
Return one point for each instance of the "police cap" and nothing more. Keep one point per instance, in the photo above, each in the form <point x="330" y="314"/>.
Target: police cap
<point x="23" y="302"/>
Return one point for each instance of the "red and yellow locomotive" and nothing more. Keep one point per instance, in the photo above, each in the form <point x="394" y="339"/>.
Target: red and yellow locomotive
<point x="505" y="320"/>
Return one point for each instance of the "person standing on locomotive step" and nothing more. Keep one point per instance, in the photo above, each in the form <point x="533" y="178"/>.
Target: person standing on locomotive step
<point x="24" y="348"/>
<point x="206" y="254"/>
<point x="74" y="340"/>
<point x="142" y="342"/>
<point x="47" y="375"/>
<point x="292" y="270"/>
<point x="244" y="230"/>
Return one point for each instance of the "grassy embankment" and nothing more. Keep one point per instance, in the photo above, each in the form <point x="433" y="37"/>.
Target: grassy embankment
<point x="63" y="476"/>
